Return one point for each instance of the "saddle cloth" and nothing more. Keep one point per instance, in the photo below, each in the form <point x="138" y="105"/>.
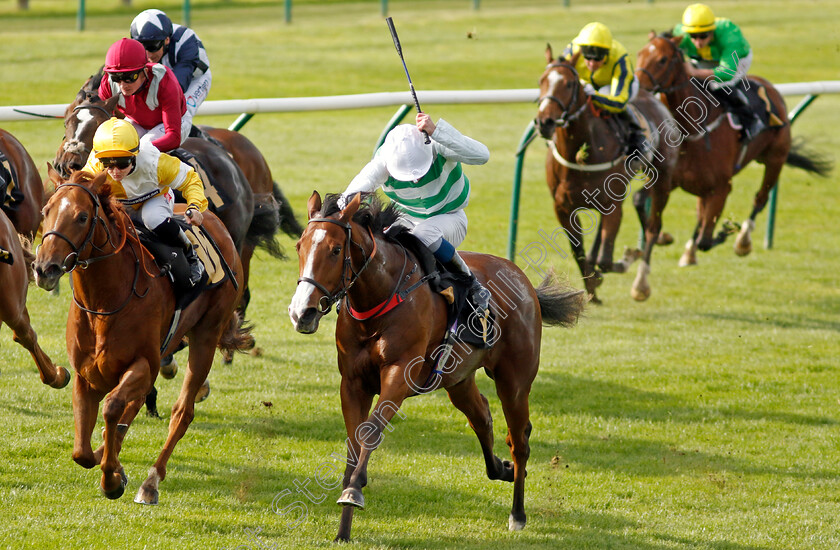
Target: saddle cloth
<point x="453" y="287"/>
<point x="218" y="198"/>
<point x="10" y="194"/>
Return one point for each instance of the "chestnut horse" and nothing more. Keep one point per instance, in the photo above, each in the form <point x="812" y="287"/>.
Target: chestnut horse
<point x="344" y="255"/>
<point x="711" y="153"/>
<point x="586" y="168"/>
<point x="15" y="267"/>
<point x="121" y="313"/>
<point x="25" y="215"/>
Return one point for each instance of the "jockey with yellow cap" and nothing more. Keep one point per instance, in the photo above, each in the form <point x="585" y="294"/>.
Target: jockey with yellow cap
<point x="428" y="184"/>
<point x="606" y="71"/>
<point x="142" y="177"/>
<point x="720" y="57"/>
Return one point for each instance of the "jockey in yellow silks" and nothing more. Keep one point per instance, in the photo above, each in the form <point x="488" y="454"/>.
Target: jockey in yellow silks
<point x="143" y="177"/>
<point x="606" y="72"/>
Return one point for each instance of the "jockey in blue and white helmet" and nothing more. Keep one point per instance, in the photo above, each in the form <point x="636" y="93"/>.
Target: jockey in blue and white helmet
<point x="178" y="48"/>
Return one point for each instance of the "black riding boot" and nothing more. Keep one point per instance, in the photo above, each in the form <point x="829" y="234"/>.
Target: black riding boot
<point x="477" y="294"/>
<point x="171" y="233"/>
<point x="196" y="267"/>
<point x="634" y="133"/>
<point x="740" y="107"/>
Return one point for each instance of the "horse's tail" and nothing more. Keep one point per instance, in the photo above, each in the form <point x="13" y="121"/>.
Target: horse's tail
<point x="288" y="222"/>
<point x="560" y="304"/>
<point x="811" y="161"/>
<point x="262" y="232"/>
<point x="237" y="335"/>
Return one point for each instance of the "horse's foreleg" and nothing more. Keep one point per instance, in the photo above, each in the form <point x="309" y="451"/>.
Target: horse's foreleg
<point x="641" y="290"/>
<point x="51" y="375"/>
<point x="133" y="386"/>
<point x="124" y="423"/>
<point x="689" y="255"/>
<point x="710" y="216"/>
<point x="85" y="410"/>
<point x="355" y="407"/>
<point x="467" y="399"/>
<point x="201" y="348"/>
<point x="591" y="278"/>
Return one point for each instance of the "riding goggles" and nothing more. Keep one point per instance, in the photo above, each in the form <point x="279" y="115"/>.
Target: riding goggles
<point x="594" y="53"/>
<point x="700" y="35"/>
<point x="120" y="163"/>
<point x="153" y="45"/>
<point x="129" y="77"/>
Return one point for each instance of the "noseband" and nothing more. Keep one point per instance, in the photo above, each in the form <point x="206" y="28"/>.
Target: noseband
<point x="72" y="260"/>
<point x="569" y="113"/>
<point x="84" y="152"/>
<point x="347" y="273"/>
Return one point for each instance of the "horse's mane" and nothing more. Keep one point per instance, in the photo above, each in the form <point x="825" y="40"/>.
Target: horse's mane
<point x="372" y="214"/>
<point x="102" y="189"/>
<point x="666" y="34"/>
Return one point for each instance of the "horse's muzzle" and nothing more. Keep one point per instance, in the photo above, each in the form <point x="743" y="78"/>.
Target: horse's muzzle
<point x="307" y="322"/>
<point x="47" y="274"/>
<point x="546" y="126"/>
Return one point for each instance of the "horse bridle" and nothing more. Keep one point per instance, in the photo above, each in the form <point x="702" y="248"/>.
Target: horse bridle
<point x="72" y="261"/>
<point x="676" y="58"/>
<point x="326" y="301"/>
<point x="84" y="151"/>
<point x="565" y="118"/>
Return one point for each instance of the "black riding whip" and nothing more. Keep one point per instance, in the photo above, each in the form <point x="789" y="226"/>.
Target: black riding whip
<point x="410" y="84"/>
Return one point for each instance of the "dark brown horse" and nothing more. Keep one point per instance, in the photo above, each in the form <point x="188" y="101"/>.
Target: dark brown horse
<point x="26" y="214"/>
<point x="711" y="153"/>
<point x="587" y="168"/>
<point x="15" y="268"/>
<point x="344" y="256"/>
<point x="121" y="313"/>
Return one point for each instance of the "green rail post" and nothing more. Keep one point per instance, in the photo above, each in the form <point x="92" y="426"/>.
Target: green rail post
<point x="384" y="8"/>
<point x="527" y="137"/>
<point x="240" y="122"/>
<point x="288" y="11"/>
<point x="476" y="4"/>
<point x="186" y="13"/>
<point x="80" y="16"/>
<point x="773" y="201"/>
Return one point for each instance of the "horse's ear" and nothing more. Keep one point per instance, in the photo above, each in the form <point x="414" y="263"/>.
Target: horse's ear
<point x="54" y="176"/>
<point x="314" y="204"/>
<point x="574" y="58"/>
<point x="676" y="40"/>
<point x="111" y="104"/>
<point x="549" y="55"/>
<point x="651" y="34"/>
<point x="351" y="208"/>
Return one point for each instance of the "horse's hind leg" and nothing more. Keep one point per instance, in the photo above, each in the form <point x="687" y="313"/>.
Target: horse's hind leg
<point x="467" y="399"/>
<point x="513" y="391"/>
<point x="772" y="169"/>
<point x="51" y="375"/>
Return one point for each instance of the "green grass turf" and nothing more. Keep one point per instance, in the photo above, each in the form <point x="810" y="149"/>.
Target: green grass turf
<point x="704" y="418"/>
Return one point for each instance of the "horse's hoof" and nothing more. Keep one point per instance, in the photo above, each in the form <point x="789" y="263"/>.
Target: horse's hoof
<point x="665" y="239"/>
<point x="743" y="244"/>
<point x="516" y="524"/>
<point x="65" y="379"/>
<point x="351" y="497"/>
<point x="147" y="496"/>
<point x="118" y="492"/>
<point x="169" y="370"/>
<point x="640" y="294"/>
<point x="203" y="392"/>
<point x="227" y="357"/>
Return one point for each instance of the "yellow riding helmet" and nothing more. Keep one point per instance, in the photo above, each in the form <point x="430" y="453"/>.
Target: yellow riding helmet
<point x="594" y="34"/>
<point x="115" y="138"/>
<point x="698" y="18"/>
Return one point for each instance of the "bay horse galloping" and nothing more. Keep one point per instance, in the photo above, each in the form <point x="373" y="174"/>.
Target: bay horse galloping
<point x="344" y="256"/>
<point x="587" y="168"/>
<point x="121" y="313"/>
<point x="710" y="149"/>
<point x="15" y="267"/>
<point x="24" y="213"/>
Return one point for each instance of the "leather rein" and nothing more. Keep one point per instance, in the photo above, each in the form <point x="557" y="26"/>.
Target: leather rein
<point x="396" y="297"/>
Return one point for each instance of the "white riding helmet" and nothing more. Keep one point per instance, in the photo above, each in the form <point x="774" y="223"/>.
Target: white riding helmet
<point x="405" y="153"/>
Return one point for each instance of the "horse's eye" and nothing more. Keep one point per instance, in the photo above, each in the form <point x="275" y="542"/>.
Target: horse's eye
<point x="336" y="250"/>
<point x="83" y="217"/>
<point x="662" y="61"/>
